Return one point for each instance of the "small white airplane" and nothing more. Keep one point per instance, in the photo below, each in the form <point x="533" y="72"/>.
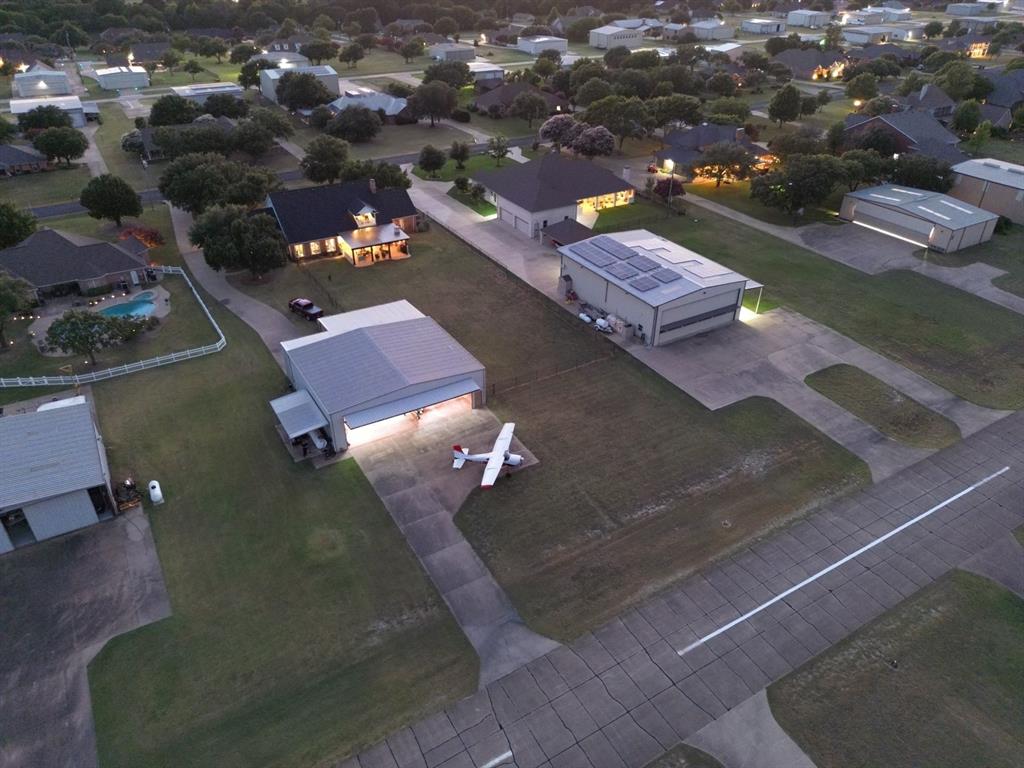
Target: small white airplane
<point x="495" y="459"/>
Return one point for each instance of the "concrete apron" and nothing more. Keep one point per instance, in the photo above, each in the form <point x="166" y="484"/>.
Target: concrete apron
<point x="413" y="476"/>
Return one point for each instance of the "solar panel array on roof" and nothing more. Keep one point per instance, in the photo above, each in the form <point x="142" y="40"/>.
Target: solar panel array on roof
<point x="643" y="263"/>
<point x="594" y="255"/>
<point x="614" y="247"/>
<point x="666" y="275"/>
<point x="644" y="283"/>
<point x="621" y="271"/>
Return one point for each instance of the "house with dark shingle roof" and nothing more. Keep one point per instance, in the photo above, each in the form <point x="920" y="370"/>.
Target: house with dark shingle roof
<point x="812" y="63"/>
<point x="1007" y="88"/>
<point x="505" y="94"/>
<point x="531" y="196"/>
<point x="18" y="159"/>
<point x="353" y="220"/>
<point x="685" y="147"/>
<point x="913" y="132"/>
<point x="57" y="263"/>
<point x="931" y="100"/>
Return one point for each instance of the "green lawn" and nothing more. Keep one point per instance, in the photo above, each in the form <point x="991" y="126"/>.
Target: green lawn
<point x="887" y="409"/>
<point x="968" y="345"/>
<point x="53" y="186"/>
<point x="475" y="163"/>
<point x="736" y="195"/>
<point x="380" y="62"/>
<point x="408" y="139"/>
<point x="1010" y="151"/>
<point x="5" y="87"/>
<point x="303" y="629"/>
<point x="480" y="206"/>
<point x="597" y="524"/>
<point x="121" y="163"/>
<point x="953" y="700"/>
<point x="1003" y="251"/>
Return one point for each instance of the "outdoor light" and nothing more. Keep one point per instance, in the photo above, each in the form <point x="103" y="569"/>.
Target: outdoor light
<point x="857" y="103"/>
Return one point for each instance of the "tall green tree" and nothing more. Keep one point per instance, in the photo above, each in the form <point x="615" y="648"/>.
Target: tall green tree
<point x="802" y="181"/>
<point x="529" y="107"/>
<point x="723" y="160"/>
<point x="624" y="118"/>
<point x="65" y="144"/>
<point x="82" y="332"/>
<point x="497" y="147"/>
<point x="41" y="118"/>
<point x="435" y="100"/>
<point x="110" y="197"/>
<point x="15" y="225"/>
<point x="232" y="238"/>
<point x="431" y="160"/>
<point x="195" y="182"/>
<point x="355" y="124"/>
<point x="325" y="159"/>
<point x="454" y="73"/>
<point x="172" y="109"/>
<point x="15" y="296"/>
<point x="301" y="90"/>
<point x="785" y="105"/>
<point x="459" y="152"/>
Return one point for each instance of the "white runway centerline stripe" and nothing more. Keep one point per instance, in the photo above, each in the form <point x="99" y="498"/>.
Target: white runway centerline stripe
<point x="841" y="562"/>
<point x="498" y="760"/>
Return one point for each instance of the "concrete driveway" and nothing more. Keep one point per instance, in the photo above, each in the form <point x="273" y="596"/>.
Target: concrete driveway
<point x="60" y="602"/>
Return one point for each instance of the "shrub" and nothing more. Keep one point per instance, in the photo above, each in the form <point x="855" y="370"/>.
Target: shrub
<point x="148" y="235"/>
<point x="460" y="115"/>
<point x="462" y="183"/>
<point x="495" y="111"/>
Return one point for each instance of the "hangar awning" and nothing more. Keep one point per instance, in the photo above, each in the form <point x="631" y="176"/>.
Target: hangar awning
<point x="411" y="403"/>
<point x="298" y="414"/>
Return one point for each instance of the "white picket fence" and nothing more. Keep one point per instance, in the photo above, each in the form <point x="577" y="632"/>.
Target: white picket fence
<point x="141" y="365"/>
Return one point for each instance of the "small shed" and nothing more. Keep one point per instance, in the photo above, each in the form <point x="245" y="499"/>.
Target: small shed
<point x="927" y="219"/>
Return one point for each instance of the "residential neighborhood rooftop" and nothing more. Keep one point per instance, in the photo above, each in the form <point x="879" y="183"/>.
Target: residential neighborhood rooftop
<point x="51" y="257"/>
<point x="935" y="207"/>
<point x="998" y="171"/>
<point x="551" y="181"/>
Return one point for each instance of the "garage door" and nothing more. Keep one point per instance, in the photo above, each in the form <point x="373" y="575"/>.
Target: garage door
<point x="60" y="514"/>
<point x="895" y="223"/>
<point x="413" y="402"/>
<point x="506" y="216"/>
<point x="699" y="317"/>
<point x="524" y="226"/>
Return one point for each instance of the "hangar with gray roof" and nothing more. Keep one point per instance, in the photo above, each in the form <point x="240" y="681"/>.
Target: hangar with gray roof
<point x="371" y="366"/>
<point x="54" y="477"/>
<point x="928" y="219"/>
<point x="659" y="291"/>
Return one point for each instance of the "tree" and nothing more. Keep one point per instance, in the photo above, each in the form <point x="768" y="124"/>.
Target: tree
<point x="82" y="332"/>
<point x="737" y="109"/>
<point x="666" y="110"/>
<point x="197" y="181"/>
<point x="967" y="116"/>
<point x="862" y="166"/>
<point x="435" y="100"/>
<point x="411" y="50"/>
<point x="808" y="105"/>
<point x="594" y="141"/>
<point x="593" y="90"/>
<point x="15" y="225"/>
<point x="980" y="136"/>
<point x="274" y="120"/>
<point x="823" y="98"/>
<point x="249" y="75"/>
<point x="559" y="130"/>
<point x="301" y="90"/>
<point x="725" y="159"/>
<point x="232" y="238"/>
<point x="625" y="118"/>
<point x="803" y="180"/>
<point x="172" y="109"/>
<point x="722" y="84"/>
<point x="41" y="118"/>
<point x="805" y="141"/>
<point x="351" y="54"/>
<point x="16" y="295"/>
<point x="498" y="148"/>
<point x="431" y="160"/>
<point x="171" y="59"/>
<point x="7" y="131"/>
<point x="880" y="140"/>
<point x="387" y="175"/>
<point x="319" y="50"/>
<point x="242" y="52"/>
<point x="225" y="105"/>
<point x="960" y="81"/>
<point x="110" y="197"/>
<point x="529" y="106"/>
<point x="320" y="117"/>
<point x="785" y="105"/>
<point x="193" y="68"/>
<point x="355" y="124"/>
<point x="459" y="152"/>
<point x="70" y="34"/>
<point x="544" y="67"/>
<point x="922" y="172"/>
<point x="932" y="29"/>
<point x="616" y="57"/>
<point x="214" y="47"/>
<point x="454" y="73"/>
<point x="864" y="86"/>
<point x="252" y="138"/>
<point x="446" y="26"/>
<point x="66" y="144"/>
<point x="325" y="159"/>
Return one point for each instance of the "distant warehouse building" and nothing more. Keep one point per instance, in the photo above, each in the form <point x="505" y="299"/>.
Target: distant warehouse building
<point x="122" y="78"/>
<point x="928" y="219"/>
<point x="611" y="36"/>
<point x="325" y="74"/>
<point x="996" y="186"/>
<point x="537" y="43"/>
<point x="663" y="291"/>
<point x="198" y="93"/>
<point x="53" y="473"/>
<point x="41" y="80"/>
<point x="77" y="110"/>
<point x="763" y="26"/>
<point x="711" y="29"/>
<point x="808" y="18"/>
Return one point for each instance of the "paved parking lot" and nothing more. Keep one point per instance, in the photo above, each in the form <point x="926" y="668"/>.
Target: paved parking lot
<point x="60" y="602"/>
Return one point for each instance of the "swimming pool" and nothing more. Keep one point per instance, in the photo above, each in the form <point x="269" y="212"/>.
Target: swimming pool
<point x="141" y="306"/>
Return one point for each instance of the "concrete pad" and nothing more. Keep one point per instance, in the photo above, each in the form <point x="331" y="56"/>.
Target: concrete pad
<point x="749" y="737"/>
<point x="1002" y="562"/>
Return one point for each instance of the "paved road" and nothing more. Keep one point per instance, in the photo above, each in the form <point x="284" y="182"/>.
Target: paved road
<point x="628" y="691"/>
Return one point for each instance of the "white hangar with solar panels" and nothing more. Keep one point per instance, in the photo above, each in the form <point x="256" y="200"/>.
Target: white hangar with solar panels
<point x="664" y="291"/>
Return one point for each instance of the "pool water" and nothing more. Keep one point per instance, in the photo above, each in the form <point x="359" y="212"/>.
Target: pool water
<point x="141" y="306"/>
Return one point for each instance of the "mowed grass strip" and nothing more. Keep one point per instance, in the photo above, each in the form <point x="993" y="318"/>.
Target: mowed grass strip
<point x="885" y="408"/>
<point x="57" y="185"/>
<point x="965" y="344"/>
<point x="953" y="698"/>
<point x="303" y="629"/>
<point x="1004" y="251"/>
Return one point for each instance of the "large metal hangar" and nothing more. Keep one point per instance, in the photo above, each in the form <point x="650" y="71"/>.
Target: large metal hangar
<point x="664" y="291"/>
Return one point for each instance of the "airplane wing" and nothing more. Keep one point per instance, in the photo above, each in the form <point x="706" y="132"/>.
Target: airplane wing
<point x="458" y="463"/>
<point x="492" y="469"/>
<point x="504" y="441"/>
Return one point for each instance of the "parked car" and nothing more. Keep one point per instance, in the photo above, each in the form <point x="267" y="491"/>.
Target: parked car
<point x="306" y="309"/>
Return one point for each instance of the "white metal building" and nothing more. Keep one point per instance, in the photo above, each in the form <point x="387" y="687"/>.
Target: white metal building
<point x="74" y="107"/>
<point x="486" y="74"/>
<point x="452" y="52"/>
<point x="53" y="473"/>
<point x="323" y="73"/>
<point x="41" y="81"/>
<point x="664" y="291"/>
<point x="611" y="36"/>
<point x="928" y="219"/>
<point x="733" y="50"/>
<point x="971" y="9"/>
<point x="537" y="43"/>
<point x="122" y="78"/>
<point x="370" y="367"/>
<point x="994" y="185"/>
<point x="200" y="92"/>
<point x="763" y="26"/>
<point x="808" y="18"/>
<point x="711" y="29"/>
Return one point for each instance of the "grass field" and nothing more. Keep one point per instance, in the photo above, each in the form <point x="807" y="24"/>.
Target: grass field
<point x="121" y="163"/>
<point x="887" y="409"/>
<point x="475" y="163"/>
<point x="303" y="628"/>
<point x="480" y="206"/>
<point x="53" y="186"/>
<point x="737" y="196"/>
<point x="380" y="62"/>
<point x="953" y="700"/>
<point x="407" y="139"/>
<point x="1004" y="252"/>
<point x="1004" y="149"/>
<point x="971" y="347"/>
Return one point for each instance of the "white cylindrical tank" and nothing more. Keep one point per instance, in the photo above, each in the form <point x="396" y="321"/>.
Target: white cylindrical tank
<point x="155" y="494"/>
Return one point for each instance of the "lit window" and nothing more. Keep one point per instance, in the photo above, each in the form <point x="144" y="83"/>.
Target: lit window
<point x="299" y="251"/>
<point x="314" y="248"/>
<point x="331" y="245"/>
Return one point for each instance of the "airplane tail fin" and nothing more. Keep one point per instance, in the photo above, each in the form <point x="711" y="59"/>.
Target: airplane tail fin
<point x="459" y="456"/>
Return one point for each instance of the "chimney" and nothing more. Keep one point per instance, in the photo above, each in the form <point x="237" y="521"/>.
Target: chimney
<point x="373" y="186"/>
